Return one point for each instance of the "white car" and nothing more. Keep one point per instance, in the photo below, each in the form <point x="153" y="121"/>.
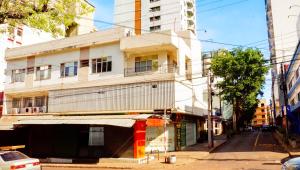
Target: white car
<point x="292" y="164"/>
<point x="14" y="160"/>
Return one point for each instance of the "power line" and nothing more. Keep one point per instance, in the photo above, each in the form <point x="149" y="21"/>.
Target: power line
<point x="223" y="6"/>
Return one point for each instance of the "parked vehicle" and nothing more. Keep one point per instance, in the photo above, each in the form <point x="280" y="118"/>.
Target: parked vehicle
<point x="292" y="164"/>
<point x="14" y="160"/>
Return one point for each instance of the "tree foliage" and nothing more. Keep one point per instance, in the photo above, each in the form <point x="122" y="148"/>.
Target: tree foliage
<point x="54" y="16"/>
<point x="243" y="75"/>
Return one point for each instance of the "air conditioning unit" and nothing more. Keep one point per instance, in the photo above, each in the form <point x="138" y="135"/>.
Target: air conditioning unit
<point x="15" y="111"/>
<point x="36" y="110"/>
<point x="28" y="110"/>
<point x="43" y="109"/>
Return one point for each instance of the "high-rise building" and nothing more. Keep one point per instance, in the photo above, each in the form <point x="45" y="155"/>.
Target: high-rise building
<point x="284" y="33"/>
<point x="156" y="15"/>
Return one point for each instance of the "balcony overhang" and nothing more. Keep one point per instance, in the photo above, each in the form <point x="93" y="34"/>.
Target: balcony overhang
<point x="158" y="41"/>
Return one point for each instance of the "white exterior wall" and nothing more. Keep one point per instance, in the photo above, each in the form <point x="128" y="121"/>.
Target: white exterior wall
<point x="284" y="19"/>
<point x="117" y="61"/>
<point x="173" y="89"/>
<point x="30" y="36"/>
<point x="173" y="14"/>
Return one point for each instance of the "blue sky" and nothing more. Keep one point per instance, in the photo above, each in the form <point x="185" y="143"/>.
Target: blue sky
<point x="229" y="21"/>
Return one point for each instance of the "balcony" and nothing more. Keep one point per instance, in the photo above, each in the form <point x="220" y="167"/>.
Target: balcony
<point x="190" y="4"/>
<point x="148" y="70"/>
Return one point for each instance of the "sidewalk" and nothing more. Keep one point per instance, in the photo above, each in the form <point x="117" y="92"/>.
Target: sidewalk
<point x="187" y="156"/>
<point x="293" y="152"/>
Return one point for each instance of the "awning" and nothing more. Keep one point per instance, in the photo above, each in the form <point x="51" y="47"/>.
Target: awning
<point x="111" y="120"/>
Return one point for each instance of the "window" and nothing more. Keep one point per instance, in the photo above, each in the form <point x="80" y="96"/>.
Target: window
<point x="143" y="64"/>
<point x="16" y="103"/>
<point x="84" y="63"/>
<point x="43" y="72"/>
<point x="40" y="101"/>
<point x="262" y="105"/>
<point x="12" y="156"/>
<point x="155" y="18"/>
<point x="263" y="116"/>
<point x="263" y="122"/>
<point x="216" y="125"/>
<point x="19" y="32"/>
<point x="18" y="75"/>
<point x="151" y="1"/>
<point x="290" y="85"/>
<point x="262" y="110"/>
<point x="28" y="102"/>
<point x="155" y="9"/>
<point x="102" y="65"/>
<point x="30" y="70"/>
<point x="155" y="28"/>
<point x="68" y="69"/>
<point x="96" y="136"/>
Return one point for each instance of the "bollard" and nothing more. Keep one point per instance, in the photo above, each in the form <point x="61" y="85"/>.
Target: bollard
<point x="148" y="157"/>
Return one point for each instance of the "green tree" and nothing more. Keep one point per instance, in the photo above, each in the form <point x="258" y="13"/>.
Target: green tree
<point x="53" y="16"/>
<point x="243" y="74"/>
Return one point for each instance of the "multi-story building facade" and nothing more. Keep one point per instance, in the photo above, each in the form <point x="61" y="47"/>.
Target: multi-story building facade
<point x="293" y="89"/>
<point x="11" y="37"/>
<point x="91" y="87"/>
<point x="156" y="15"/>
<point x="262" y="115"/>
<point x="284" y="33"/>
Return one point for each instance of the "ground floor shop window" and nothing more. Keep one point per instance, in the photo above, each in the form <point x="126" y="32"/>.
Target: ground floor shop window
<point x="96" y="136"/>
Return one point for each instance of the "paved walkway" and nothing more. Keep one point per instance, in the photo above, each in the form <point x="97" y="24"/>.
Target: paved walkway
<point x="187" y="156"/>
<point x="247" y="151"/>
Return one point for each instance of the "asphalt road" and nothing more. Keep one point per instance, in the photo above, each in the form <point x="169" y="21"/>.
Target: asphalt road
<point x="248" y="151"/>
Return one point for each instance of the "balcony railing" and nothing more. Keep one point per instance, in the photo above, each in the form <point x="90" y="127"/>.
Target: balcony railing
<point x="147" y="70"/>
<point x="28" y="110"/>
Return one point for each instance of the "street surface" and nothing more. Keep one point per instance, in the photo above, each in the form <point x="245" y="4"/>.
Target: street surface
<point x="248" y="151"/>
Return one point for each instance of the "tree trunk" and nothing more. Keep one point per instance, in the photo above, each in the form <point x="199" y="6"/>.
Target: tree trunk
<point x="234" y="116"/>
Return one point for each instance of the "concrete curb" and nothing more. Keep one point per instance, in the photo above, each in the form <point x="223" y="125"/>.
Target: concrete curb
<point x="81" y="166"/>
<point x="218" y="146"/>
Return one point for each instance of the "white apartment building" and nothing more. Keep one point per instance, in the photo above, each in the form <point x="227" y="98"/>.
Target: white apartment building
<point x="284" y="33"/>
<point x="21" y="36"/>
<point x="100" y="79"/>
<point x="16" y="37"/>
<point x="144" y="16"/>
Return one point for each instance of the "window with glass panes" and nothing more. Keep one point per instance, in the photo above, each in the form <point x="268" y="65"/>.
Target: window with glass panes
<point x="43" y="72"/>
<point x="40" y="101"/>
<point x="102" y="65"/>
<point x="28" y="102"/>
<point x="68" y="69"/>
<point x="16" y="103"/>
<point x="18" y="75"/>
<point x="143" y="64"/>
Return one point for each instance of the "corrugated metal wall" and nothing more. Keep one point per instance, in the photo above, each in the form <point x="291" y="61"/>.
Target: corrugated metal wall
<point x="142" y="96"/>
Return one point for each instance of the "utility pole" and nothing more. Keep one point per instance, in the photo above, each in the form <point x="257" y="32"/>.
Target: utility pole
<point x="284" y="89"/>
<point x="273" y="100"/>
<point x="209" y="109"/>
